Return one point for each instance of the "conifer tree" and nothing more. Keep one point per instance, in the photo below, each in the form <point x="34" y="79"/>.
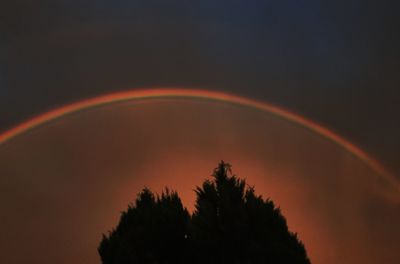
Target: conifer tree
<point x="230" y="224"/>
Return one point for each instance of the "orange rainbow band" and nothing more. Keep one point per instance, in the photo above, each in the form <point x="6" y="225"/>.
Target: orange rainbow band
<point x="199" y="94"/>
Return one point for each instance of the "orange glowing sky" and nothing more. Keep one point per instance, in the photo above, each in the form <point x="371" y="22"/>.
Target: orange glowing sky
<point x="67" y="174"/>
<point x="199" y="94"/>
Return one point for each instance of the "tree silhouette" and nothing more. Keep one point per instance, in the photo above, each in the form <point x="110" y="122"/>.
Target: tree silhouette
<point x="230" y="224"/>
<point x="152" y="231"/>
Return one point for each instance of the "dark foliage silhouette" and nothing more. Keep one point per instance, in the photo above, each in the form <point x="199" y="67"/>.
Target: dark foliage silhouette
<point x="152" y="231"/>
<point x="230" y="224"/>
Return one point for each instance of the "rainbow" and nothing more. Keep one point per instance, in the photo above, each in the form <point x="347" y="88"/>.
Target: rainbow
<point x="197" y="94"/>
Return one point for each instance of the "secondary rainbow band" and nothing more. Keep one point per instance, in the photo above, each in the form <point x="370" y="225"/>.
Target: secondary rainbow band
<point x="209" y="95"/>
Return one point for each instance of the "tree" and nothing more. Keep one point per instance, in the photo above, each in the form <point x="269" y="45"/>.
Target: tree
<point x="152" y="231"/>
<point x="230" y="224"/>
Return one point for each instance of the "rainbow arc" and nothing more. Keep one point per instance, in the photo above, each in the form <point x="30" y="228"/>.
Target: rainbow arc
<point x="198" y="94"/>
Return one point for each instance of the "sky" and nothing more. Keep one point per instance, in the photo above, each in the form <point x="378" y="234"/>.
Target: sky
<point x="65" y="183"/>
<point x="334" y="62"/>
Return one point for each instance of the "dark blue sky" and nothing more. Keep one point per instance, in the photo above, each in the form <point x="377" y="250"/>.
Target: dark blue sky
<point x="335" y="62"/>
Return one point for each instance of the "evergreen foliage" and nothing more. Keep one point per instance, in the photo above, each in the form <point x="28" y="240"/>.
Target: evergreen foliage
<point x="230" y="224"/>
